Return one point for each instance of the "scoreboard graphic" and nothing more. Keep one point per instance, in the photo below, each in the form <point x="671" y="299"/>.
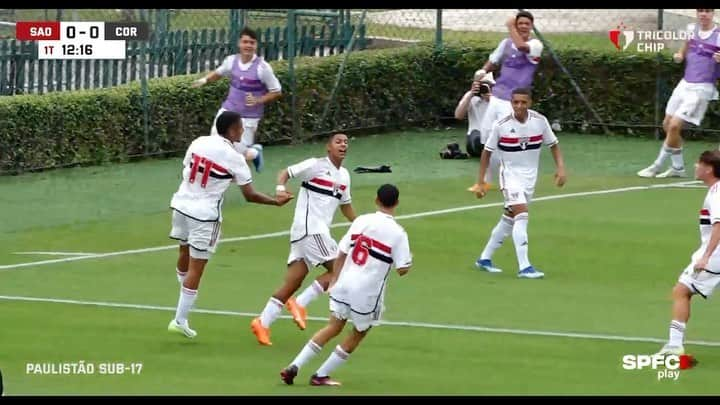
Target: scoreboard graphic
<point x="81" y="39"/>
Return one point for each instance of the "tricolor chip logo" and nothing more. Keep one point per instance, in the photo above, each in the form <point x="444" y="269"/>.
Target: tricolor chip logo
<point x="668" y="366"/>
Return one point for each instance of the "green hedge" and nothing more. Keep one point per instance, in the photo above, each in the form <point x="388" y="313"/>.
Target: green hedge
<point x="383" y="87"/>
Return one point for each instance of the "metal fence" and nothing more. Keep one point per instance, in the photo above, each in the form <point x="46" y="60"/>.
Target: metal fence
<point x="560" y="29"/>
<point x="186" y="41"/>
<point x="182" y="42"/>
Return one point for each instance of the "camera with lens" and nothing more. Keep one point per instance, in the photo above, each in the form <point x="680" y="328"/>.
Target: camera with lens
<point x="484" y="88"/>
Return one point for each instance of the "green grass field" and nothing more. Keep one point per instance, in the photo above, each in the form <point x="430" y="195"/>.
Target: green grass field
<point x="610" y="261"/>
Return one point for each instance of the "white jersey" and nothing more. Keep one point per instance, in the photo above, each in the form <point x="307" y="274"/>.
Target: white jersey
<point x="373" y="245"/>
<point x="476" y="111"/>
<point x="265" y="71"/>
<point x="518" y="145"/>
<point x="709" y="215"/>
<point x="210" y="165"/>
<point x="324" y="187"/>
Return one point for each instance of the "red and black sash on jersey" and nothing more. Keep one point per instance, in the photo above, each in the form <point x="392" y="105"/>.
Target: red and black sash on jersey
<point x="704" y="217"/>
<point x="508" y="144"/>
<point x="375" y="248"/>
<point x="323" y="186"/>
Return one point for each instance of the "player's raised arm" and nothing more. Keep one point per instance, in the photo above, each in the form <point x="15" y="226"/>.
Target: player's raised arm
<point x="217" y="74"/>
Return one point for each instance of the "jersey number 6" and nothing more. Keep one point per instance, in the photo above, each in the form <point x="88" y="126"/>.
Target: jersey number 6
<point x="362" y="250"/>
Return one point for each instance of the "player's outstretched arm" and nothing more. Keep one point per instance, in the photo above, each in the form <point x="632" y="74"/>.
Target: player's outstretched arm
<point x="560" y="176"/>
<point x="253" y="196"/>
<point x="211" y="77"/>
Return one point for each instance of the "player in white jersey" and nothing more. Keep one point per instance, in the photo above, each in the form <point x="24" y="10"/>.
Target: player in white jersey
<point x="325" y="187"/>
<point x="210" y="165"/>
<point x="371" y="247"/>
<point x="253" y="85"/>
<point x="702" y="275"/>
<point x="517" y="139"/>
<point x="690" y="98"/>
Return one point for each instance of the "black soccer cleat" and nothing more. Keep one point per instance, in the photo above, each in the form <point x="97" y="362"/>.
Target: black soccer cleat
<point x="288" y="374"/>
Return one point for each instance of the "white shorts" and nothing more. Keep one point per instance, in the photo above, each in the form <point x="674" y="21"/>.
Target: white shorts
<point x="701" y="282"/>
<point x="362" y="322"/>
<point x="314" y="249"/>
<point x="201" y="236"/>
<point x="516" y="190"/>
<point x="247" y="140"/>
<point x="688" y="105"/>
<point x="497" y="108"/>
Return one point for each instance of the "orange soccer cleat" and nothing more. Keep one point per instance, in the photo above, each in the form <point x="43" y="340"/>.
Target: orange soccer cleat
<point x="298" y="312"/>
<point x="261" y="333"/>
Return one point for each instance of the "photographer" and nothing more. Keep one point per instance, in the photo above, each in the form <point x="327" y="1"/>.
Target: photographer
<point x="474" y="105"/>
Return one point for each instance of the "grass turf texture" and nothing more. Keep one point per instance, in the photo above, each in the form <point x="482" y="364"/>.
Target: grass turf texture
<point x="610" y="261"/>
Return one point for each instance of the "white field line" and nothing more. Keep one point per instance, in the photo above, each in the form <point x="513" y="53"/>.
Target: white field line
<point x="56" y="253"/>
<point x="571" y="335"/>
<point x="399" y="217"/>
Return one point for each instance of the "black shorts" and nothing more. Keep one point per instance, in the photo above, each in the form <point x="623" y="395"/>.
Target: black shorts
<point x="474" y="145"/>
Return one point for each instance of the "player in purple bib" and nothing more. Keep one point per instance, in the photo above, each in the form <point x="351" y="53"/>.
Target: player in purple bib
<point x="253" y="84"/>
<point x="689" y="101"/>
<point x="517" y="58"/>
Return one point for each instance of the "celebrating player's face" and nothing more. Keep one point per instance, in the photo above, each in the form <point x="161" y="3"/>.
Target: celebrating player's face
<point x="520" y="104"/>
<point x="337" y="147"/>
<point x="705" y="16"/>
<point x="247" y="45"/>
<point x="524" y="25"/>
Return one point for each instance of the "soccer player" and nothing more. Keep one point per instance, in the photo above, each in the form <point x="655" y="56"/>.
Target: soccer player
<point x="517" y="139"/>
<point x="371" y="247"/>
<point x="211" y="163"/>
<point x="690" y="98"/>
<point x="517" y="57"/>
<point x="253" y="84"/>
<point x="702" y="275"/>
<point x="325" y="186"/>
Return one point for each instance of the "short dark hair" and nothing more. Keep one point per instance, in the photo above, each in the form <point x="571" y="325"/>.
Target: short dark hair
<point x="525" y="14"/>
<point x="388" y="195"/>
<point x="522" y="90"/>
<point x="332" y="136"/>
<point x="711" y="158"/>
<point x="226" y="120"/>
<point x="249" y="32"/>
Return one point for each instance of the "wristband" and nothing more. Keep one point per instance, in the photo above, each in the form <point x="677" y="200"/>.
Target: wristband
<point x="279" y="188"/>
<point x="202" y="81"/>
<point x="480" y="74"/>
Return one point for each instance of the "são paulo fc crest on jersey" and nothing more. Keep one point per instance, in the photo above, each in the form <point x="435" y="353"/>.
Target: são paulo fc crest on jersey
<point x="524" y="142"/>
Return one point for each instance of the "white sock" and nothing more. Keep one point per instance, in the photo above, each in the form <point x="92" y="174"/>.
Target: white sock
<point x="272" y="311"/>
<point x="308" y="352"/>
<point x="677" y="159"/>
<point x="502" y="230"/>
<point x="180" y="275"/>
<point x="677" y="333"/>
<point x="251" y="153"/>
<point x="313" y="291"/>
<point x="665" y="152"/>
<point x="520" y="239"/>
<point x="187" y="299"/>
<point x="336" y="359"/>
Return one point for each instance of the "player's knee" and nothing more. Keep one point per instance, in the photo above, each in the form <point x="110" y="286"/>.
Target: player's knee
<point x="681" y="291"/>
<point x="675" y="125"/>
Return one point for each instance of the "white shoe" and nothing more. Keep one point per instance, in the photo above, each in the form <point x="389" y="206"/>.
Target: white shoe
<point x="648" y="172"/>
<point x="183" y="329"/>
<point x="668" y="350"/>
<point x="671" y="173"/>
